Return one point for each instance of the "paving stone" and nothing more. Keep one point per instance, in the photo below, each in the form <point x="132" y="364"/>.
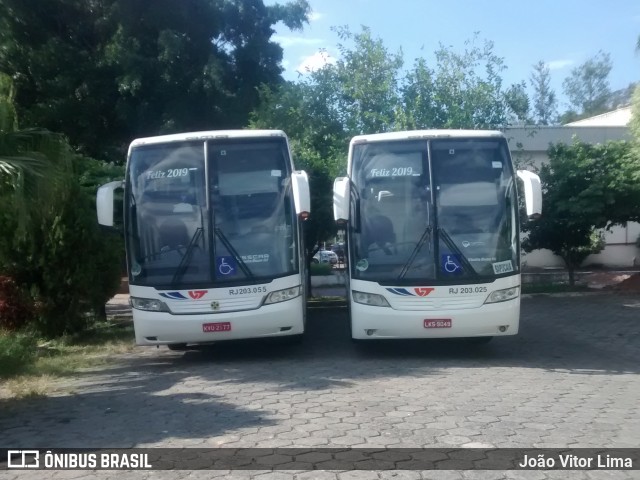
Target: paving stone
<point x="568" y="379"/>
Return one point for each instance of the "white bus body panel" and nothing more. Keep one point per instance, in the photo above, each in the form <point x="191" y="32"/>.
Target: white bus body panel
<point x="411" y="306"/>
<point x="244" y="311"/>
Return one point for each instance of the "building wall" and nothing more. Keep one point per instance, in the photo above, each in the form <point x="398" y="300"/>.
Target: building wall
<point x="528" y="147"/>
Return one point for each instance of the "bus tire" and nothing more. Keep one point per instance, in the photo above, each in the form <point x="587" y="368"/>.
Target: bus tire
<point x="177" y="347"/>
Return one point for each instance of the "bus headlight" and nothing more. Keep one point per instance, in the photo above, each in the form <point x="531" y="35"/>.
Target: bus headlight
<point x="282" y="295"/>
<point x="372" y="299"/>
<point x="503" y="295"/>
<point x="149" y="304"/>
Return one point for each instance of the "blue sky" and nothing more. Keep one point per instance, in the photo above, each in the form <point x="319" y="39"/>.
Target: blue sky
<point x="562" y="33"/>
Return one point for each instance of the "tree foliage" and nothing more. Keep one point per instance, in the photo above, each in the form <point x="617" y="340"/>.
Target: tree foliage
<point x="544" y="98"/>
<point x="460" y="90"/>
<point x="634" y="124"/>
<point x="588" y="87"/>
<point x="55" y="263"/>
<point x="104" y="71"/>
<point x="585" y="188"/>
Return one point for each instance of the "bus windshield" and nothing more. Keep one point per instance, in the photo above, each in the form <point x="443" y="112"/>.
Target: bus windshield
<point x="210" y="213"/>
<point x="437" y="210"/>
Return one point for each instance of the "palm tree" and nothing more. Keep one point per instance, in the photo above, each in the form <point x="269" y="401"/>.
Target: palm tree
<point x="31" y="160"/>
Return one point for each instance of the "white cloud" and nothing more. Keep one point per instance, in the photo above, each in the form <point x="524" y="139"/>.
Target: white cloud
<point x="559" y="64"/>
<point x="315" y="62"/>
<point x="315" y="16"/>
<point x="288" y="41"/>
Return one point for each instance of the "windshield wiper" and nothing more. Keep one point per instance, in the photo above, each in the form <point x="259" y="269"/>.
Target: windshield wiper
<point x="426" y="235"/>
<point x="233" y="252"/>
<point x="186" y="258"/>
<point x="450" y="243"/>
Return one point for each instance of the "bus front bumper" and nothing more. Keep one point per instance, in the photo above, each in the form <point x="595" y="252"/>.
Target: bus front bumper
<point x="276" y="320"/>
<point x="497" y="319"/>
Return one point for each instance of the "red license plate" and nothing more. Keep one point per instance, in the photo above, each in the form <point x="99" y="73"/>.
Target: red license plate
<point x="216" y="327"/>
<point x="437" y="323"/>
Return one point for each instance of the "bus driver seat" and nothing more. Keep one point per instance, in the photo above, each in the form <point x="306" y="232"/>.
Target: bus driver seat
<point x="173" y="235"/>
<point x="379" y="234"/>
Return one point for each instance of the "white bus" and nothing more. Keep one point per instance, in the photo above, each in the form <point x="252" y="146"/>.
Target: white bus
<point x="432" y="229"/>
<point x="214" y="245"/>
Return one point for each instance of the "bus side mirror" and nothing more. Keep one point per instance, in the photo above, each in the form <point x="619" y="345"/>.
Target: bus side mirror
<point x="341" y="194"/>
<point x="301" y="196"/>
<point x="104" y="202"/>
<point x="532" y="193"/>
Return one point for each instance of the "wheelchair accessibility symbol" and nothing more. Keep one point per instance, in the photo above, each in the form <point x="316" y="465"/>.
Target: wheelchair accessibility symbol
<point x="450" y="264"/>
<point x="226" y="266"/>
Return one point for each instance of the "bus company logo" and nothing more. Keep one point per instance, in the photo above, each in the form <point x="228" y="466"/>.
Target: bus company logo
<point x="420" y="291"/>
<point x="173" y="295"/>
<point x="423" y="291"/>
<point x="196" y="294"/>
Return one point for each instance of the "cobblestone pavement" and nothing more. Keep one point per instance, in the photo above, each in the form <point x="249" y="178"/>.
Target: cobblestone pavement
<point x="569" y="379"/>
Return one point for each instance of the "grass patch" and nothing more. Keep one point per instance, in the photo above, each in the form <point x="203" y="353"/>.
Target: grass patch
<point x="552" y="288"/>
<point x="326" y="302"/>
<point x="321" y="269"/>
<point x="29" y="366"/>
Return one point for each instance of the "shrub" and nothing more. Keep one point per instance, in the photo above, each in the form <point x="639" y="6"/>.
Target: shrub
<point x="69" y="264"/>
<point x="15" y="307"/>
<point x="16" y="352"/>
<point x="320" y="269"/>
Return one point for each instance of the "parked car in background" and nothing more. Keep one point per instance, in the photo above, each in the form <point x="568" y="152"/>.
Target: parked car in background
<point x="325" y="256"/>
<point x="338" y="249"/>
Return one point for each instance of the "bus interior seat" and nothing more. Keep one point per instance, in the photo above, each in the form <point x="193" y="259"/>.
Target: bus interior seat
<point x="173" y="233"/>
<point x="379" y="231"/>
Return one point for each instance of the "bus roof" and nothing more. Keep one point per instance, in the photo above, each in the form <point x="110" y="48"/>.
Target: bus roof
<point x="180" y="137"/>
<point x="415" y="134"/>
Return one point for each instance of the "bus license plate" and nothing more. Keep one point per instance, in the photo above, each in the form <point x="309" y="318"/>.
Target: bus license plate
<point x="437" y="323"/>
<point x="216" y="327"/>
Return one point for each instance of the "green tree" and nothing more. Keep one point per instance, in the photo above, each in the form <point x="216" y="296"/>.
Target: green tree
<point x="104" y="71"/>
<point x="366" y="78"/>
<point x="461" y="90"/>
<point x="50" y="243"/>
<point x="544" y="98"/>
<point x="518" y="104"/>
<point x="586" y="188"/>
<point x="634" y="124"/>
<point x="31" y="160"/>
<point x="587" y="87"/>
